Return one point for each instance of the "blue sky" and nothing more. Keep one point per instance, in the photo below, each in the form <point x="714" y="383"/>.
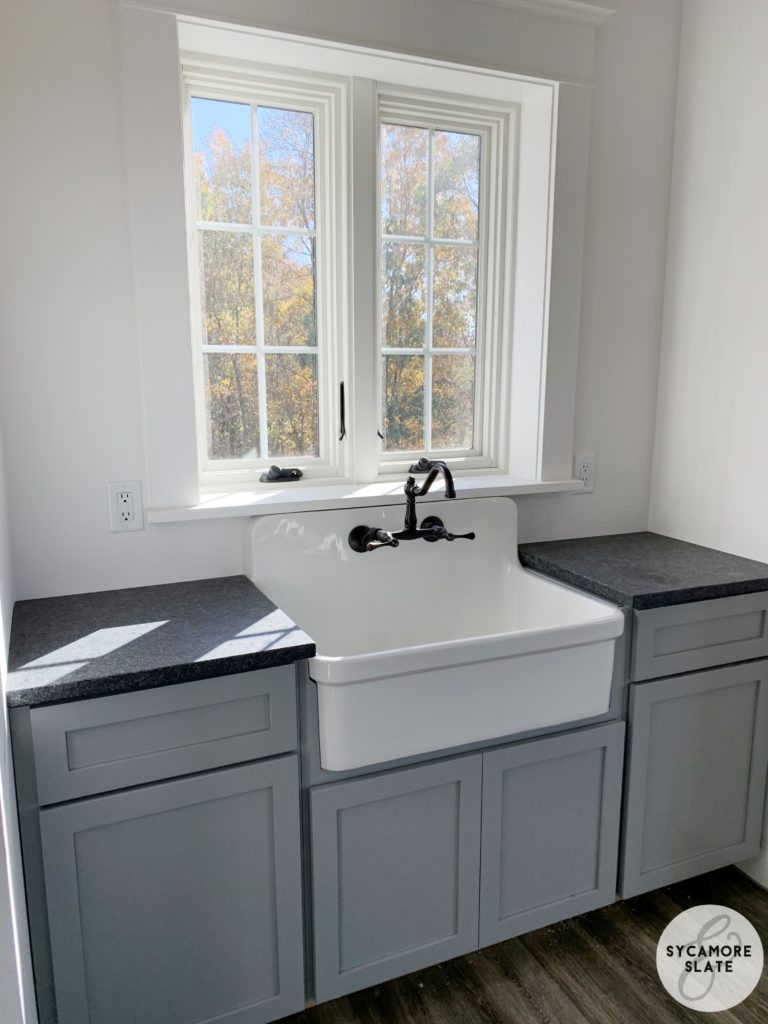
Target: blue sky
<point x="234" y="118"/>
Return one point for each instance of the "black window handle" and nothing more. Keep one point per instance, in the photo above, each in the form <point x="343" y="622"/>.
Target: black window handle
<point x="342" y="413"/>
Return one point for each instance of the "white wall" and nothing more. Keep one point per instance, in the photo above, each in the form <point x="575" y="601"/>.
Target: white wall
<point x="710" y="478"/>
<point x="472" y="31"/>
<point x="70" y="388"/>
<point x="16" y="993"/>
<point x="625" y="251"/>
<point x="69" y="372"/>
<point x="6" y="569"/>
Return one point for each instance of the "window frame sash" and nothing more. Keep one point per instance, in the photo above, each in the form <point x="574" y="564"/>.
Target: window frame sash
<point x="326" y="101"/>
<point x="496" y="124"/>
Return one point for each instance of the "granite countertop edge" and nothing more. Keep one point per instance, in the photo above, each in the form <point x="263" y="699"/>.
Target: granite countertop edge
<point x="636" y="597"/>
<point x="640" y="602"/>
<point x="64" y="692"/>
<point x="106" y="643"/>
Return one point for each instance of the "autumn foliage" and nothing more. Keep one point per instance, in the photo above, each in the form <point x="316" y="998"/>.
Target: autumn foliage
<point x="257" y="285"/>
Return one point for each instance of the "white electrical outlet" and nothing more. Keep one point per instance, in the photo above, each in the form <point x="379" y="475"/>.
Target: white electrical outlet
<point x="126" y="511"/>
<point x="584" y="470"/>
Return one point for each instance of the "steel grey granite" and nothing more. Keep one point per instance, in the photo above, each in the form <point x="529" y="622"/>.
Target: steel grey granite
<point x="645" y="570"/>
<point x="92" y="645"/>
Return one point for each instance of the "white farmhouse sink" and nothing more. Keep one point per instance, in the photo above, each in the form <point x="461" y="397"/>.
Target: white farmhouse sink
<point x="430" y="646"/>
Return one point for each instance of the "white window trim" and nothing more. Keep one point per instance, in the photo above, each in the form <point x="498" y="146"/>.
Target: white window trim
<point x="541" y="422"/>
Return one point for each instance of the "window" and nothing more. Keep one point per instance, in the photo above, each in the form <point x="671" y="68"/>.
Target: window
<point x="264" y="185"/>
<point x="352" y="251"/>
<point x="429" y="260"/>
<point x="441" y="203"/>
<point x="255" y="188"/>
<point x="534" y="159"/>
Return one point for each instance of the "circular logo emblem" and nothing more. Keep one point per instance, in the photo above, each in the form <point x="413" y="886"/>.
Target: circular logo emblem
<point x="709" y="958"/>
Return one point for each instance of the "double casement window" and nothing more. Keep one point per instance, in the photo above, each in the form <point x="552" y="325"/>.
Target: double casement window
<point x="270" y="165"/>
<point x="405" y="232"/>
<point x="300" y="189"/>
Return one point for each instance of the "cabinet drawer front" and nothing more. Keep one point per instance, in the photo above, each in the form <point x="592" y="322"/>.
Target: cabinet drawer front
<point x="551" y="811"/>
<point x="94" y="746"/>
<point x="687" y="637"/>
<point x="179" y="901"/>
<point x="395" y="872"/>
<point x="696" y="775"/>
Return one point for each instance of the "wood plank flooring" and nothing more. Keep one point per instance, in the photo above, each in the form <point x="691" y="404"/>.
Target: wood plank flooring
<point x="596" y="969"/>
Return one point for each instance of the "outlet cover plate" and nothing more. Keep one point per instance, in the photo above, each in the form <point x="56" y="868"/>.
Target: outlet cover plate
<point x="126" y="509"/>
<point x="584" y="470"/>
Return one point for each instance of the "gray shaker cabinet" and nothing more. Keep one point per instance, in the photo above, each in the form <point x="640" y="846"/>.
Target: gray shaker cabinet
<point x="178" y="902"/>
<point x="395" y="872"/>
<point x="407" y="871"/>
<point x="551" y="811"/>
<point x="696" y="774"/>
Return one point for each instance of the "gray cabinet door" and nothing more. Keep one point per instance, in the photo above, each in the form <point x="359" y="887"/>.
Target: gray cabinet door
<point x="395" y="872"/>
<point x="551" y="811"/>
<point x="696" y="774"/>
<point x="178" y="902"/>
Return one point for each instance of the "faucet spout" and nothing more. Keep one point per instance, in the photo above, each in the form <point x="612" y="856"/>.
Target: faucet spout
<point x="434" y="469"/>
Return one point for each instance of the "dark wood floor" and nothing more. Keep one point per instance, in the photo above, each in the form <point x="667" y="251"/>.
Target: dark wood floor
<point x="595" y="969"/>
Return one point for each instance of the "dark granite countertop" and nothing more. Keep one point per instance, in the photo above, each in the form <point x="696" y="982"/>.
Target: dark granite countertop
<point x="645" y="570"/>
<point x="91" y="645"/>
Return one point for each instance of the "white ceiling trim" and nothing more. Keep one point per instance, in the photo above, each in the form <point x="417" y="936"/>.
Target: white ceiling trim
<point x="572" y="10"/>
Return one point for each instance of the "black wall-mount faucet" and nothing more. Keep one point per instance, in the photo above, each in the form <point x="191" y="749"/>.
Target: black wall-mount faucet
<point x="368" y="538"/>
<point x="433" y="469"/>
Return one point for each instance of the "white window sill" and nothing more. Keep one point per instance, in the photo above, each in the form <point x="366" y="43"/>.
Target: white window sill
<point x="304" y="497"/>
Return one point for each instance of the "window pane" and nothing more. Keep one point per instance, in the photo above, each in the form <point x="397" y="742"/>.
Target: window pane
<point x="288" y="279"/>
<point x="227" y="288"/>
<point x="403" y="294"/>
<point x="286" y="168"/>
<point x="403" y="403"/>
<point x="454" y="296"/>
<point x="221" y="134"/>
<point x="453" y="402"/>
<point x="231" y="405"/>
<point x="292" y="405"/>
<point x="457" y="184"/>
<point x="404" y="179"/>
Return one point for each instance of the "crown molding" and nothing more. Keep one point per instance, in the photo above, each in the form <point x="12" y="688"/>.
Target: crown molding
<point x="570" y="10"/>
